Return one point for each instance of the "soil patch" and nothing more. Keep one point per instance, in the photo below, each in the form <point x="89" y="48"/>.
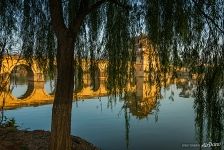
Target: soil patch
<point x="14" y="139"/>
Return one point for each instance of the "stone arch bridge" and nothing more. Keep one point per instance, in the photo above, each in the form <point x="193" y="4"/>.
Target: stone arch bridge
<point x="36" y="93"/>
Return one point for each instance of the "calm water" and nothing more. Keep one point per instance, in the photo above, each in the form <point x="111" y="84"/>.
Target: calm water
<point x="102" y="121"/>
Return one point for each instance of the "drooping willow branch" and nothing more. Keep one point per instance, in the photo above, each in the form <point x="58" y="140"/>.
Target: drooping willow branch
<point x="208" y="17"/>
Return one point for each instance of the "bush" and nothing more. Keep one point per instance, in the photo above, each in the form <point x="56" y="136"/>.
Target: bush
<point x="8" y="122"/>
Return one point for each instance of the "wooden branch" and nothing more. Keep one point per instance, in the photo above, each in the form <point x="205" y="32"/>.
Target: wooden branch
<point x="85" y="9"/>
<point x="57" y="16"/>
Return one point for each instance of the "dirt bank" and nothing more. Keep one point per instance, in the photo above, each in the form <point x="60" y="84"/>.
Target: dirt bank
<point x="13" y="139"/>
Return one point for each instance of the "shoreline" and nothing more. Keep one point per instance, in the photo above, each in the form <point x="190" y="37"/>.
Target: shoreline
<point x="16" y="139"/>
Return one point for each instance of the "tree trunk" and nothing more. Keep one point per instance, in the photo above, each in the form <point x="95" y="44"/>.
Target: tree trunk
<point x="61" y="112"/>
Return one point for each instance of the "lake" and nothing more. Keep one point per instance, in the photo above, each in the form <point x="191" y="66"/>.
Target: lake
<point x="105" y="122"/>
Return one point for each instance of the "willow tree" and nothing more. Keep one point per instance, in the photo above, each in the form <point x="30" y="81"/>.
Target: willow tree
<point x="184" y="32"/>
<point x="209" y="120"/>
<point x="8" y="28"/>
<point x="67" y="35"/>
<point x="178" y="28"/>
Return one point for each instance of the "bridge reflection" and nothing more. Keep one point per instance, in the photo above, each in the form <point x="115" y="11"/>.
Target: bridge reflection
<point x="141" y="95"/>
<point x="36" y="93"/>
<point x="140" y="98"/>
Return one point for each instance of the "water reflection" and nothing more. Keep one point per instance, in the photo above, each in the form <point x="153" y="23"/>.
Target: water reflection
<point x="115" y="127"/>
<point x="140" y="100"/>
<point x="142" y="105"/>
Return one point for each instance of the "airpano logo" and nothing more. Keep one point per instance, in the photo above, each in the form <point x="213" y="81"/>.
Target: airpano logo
<point x="204" y="145"/>
<point x="210" y="144"/>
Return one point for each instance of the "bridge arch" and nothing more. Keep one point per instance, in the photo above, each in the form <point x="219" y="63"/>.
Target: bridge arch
<point x="22" y="70"/>
<point x="29" y="70"/>
<point x="11" y="63"/>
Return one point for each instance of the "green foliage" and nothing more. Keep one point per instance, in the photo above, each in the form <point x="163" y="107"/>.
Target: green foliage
<point x="9" y="12"/>
<point x="187" y="33"/>
<point x="180" y="30"/>
<point x="184" y="27"/>
<point x="118" y="47"/>
<point x="78" y="78"/>
<point x="208" y="106"/>
<point x="8" y="122"/>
